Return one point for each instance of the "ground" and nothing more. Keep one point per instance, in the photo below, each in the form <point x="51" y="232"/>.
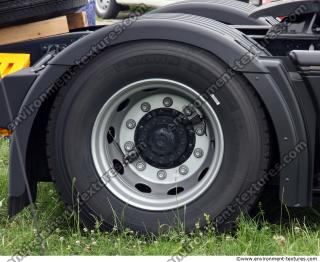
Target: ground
<point x="254" y="236"/>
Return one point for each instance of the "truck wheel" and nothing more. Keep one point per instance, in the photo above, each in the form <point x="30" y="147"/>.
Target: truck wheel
<point x="107" y="9"/>
<point x="135" y="134"/>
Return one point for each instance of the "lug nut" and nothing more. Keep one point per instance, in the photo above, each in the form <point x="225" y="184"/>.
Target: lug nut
<point x="200" y="131"/>
<point x="140" y="165"/>
<point x="167" y="102"/>
<point x="128" y="146"/>
<point x="131" y="124"/>
<point x="188" y="111"/>
<point x="198" y="153"/>
<point x="183" y="170"/>
<point x="162" y="174"/>
<point x="145" y="107"/>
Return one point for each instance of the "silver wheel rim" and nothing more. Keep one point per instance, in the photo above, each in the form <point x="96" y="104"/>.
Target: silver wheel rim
<point x="103" y="5"/>
<point x="140" y="184"/>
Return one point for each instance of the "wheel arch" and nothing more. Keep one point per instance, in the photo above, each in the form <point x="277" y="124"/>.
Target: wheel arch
<point x="225" y="11"/>
<point x="206" y="34"/>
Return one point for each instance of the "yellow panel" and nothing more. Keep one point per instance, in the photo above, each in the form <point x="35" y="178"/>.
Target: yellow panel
<point x="5" y="133"/>
<point x="11" y="63"/>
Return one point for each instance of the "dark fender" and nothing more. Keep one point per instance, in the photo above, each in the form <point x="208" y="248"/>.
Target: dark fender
<point x="296" y="177"/>
<point x="207" y="34"/>
<point x="230" y="12"/>
<point x="287" y="8"/>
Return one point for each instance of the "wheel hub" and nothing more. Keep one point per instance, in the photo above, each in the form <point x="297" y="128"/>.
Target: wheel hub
<point x="177" y="160"/>
<point x="102" y="5"/>
<point x="169" y="142"/>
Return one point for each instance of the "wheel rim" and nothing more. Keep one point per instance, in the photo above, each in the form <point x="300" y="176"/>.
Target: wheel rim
<point x="144" y="117"/>
<point x="103" y="5"/>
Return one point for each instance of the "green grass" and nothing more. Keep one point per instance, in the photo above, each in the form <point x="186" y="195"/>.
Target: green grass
<point x="295" y="237"/>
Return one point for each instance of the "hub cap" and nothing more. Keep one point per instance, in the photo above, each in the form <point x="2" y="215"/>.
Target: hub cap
<point x="102" y="5"/>
<point x="168" y="145"/>
<point x="173" y="164"/>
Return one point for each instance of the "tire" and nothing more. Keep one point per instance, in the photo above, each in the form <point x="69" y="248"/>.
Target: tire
<point x="17" y="11"/>
<point x="78" y="109"/>
<point x="107" y="9"/>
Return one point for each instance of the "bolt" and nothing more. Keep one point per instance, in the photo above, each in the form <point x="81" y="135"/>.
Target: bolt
<point x="188" y="111"/>
<point x="200" y="131"/>
<point x="131" y="124"/>
<point x="198" y="153"/>
<point x="162" y="175"/>
<point x="145" y="107"/>
<point x="128" y="146"/>
<point x="167" y="101"/>
<point x="183" y="170"/>
<point x="140" y="165"/>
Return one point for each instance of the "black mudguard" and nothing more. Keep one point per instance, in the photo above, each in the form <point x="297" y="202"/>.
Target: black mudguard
<point x="230" y="12"/>
<point x="287" y="8"/>
<point x="207" y="34"/>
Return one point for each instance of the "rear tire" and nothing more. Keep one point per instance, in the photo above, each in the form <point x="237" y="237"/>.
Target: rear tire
<point x="73" y="159"/>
